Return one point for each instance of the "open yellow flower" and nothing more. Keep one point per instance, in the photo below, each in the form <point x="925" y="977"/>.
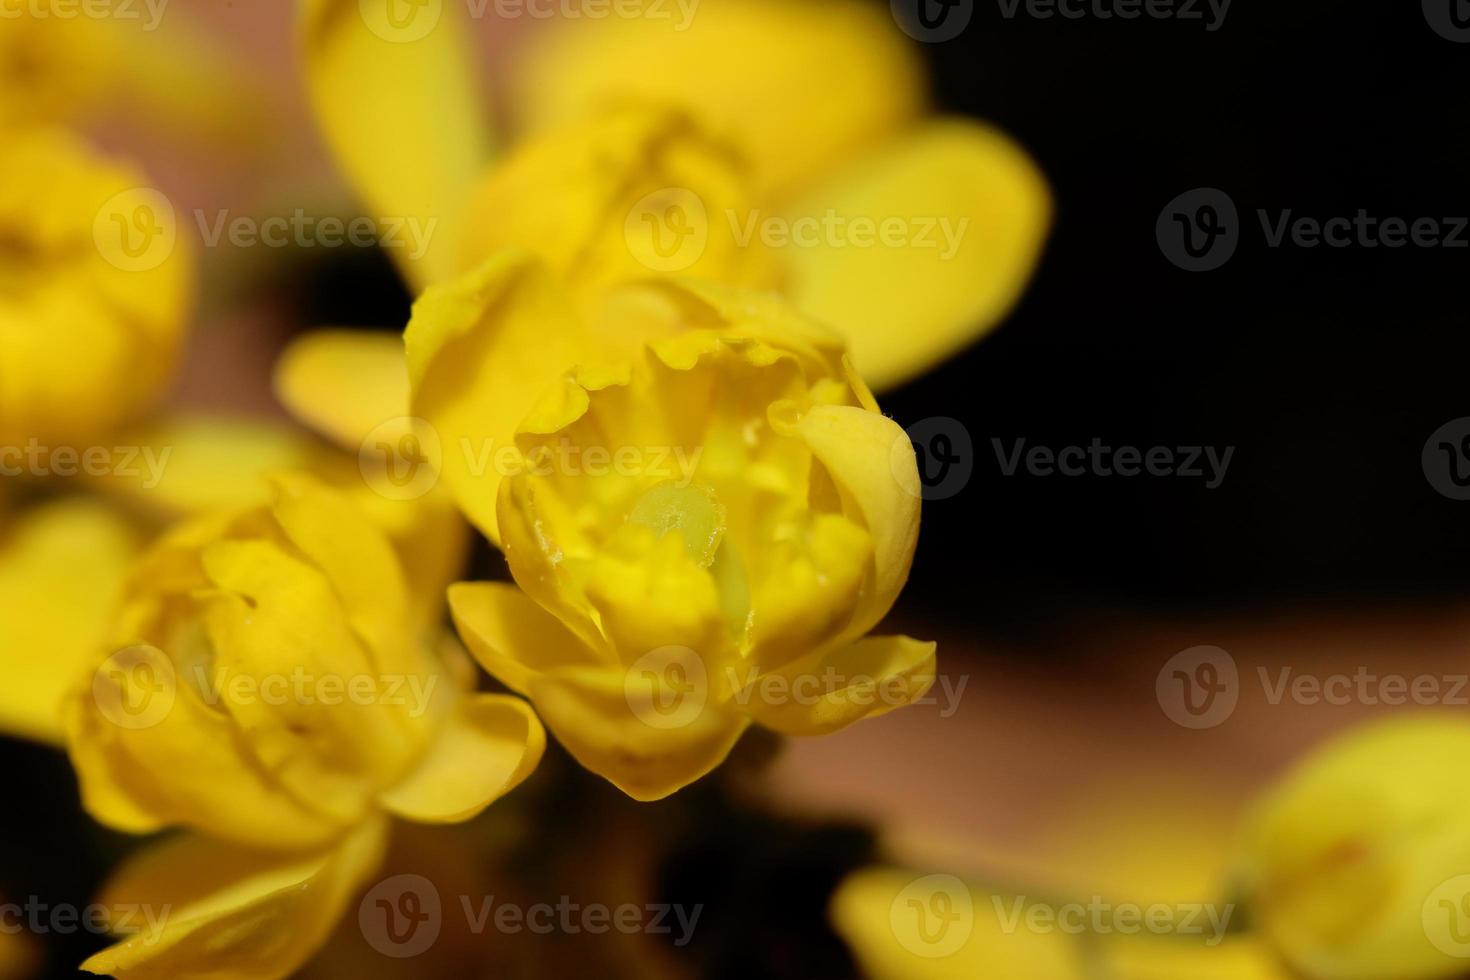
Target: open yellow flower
<point x="94" y="291"/>
<point x="693" y="488"/>
<point x="1358" y="863"/>
<point x="912" y="236"/>
<point x="269" y="689"/>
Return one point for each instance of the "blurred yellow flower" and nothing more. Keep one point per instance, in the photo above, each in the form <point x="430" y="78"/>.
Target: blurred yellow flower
<point x="704" y="506"/>
<point x="61" y="566"/>
<point x="1357" y="865"/>
<point x="94" y="291"/>
<point x="270" y="689"/>
<point x="18" y="957"/>
<point x="911" y="236"/>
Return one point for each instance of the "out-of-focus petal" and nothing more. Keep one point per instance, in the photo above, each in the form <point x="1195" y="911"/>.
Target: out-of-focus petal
<point x="224" y="913"/>
<point x="344" y="384"/>
<point x="489" y="745"/>
<point x="481" y="350"/>
<point x="1148" y="957"/>
<point x="192" y="464"/>
<point x="873" y="676"/>
<point x="398" y="101"/>
<point x="61" y="568"/>
<point x="626" y="194"/>
<point x="18" y="957"/>
<point x="940" y="233"/>
<point x="907" y="926"/>
<point x="799" y="84"/>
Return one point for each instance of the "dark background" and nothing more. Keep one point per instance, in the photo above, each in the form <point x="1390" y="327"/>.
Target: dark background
<point x="1326" y="368"/>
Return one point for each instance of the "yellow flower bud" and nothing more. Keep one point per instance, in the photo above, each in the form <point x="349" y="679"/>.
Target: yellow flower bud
<point x="1358" y="865"/>
<point x="94" y="288"/>
<point x="267" y="685"/>
<point x="702" y="503"/>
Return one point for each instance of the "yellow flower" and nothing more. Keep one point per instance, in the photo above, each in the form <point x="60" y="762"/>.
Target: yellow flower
<point x="692" y="487"/>
<point x="1358" y="863"/>
<point x="94" y="290"/>
<point x="269" y="688"/>
<point x="910" y="235"/>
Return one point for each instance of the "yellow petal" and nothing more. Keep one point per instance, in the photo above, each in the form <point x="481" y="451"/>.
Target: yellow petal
<point x="952" y="217"/>
<point x="871" y="461"/>
<point x="800" y="84"/>
<point x="821" y="694"/>
<point x="192" y="464"/>
<point x="1171" y="957"/>
<point x="481" y="350"/>
<point x="907" y="926"/>
<point x="344" y="384"/>
<point x="355" y="556"/>
<point x="490" y="744"/>
<point x="61" y="569"/>
<point x="510" y="635"/>
<point x="626" y="194"/>
<point x="1358" y="863"/>
<point x="224" y="913"/>
<point x="602" y="717"/>
<point x="393" y="89"/>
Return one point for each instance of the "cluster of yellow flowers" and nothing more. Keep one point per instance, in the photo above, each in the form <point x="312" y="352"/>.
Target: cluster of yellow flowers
<point x="273" y="674"/>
